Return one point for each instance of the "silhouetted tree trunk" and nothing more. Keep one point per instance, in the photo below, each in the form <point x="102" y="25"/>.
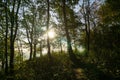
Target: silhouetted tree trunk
<point x="69" y="46"/>
<point x="20" y="50"/>
<point x="30" y="40"/>
<point x="48" y="41"/>
<point x="3" y="64"/>
<point x="12" y="16"/>
<point x="13" y="33"/>
<point x="41" y="49"/>
<point x="31" y="44"/>
<point x="34" y="55"/>
<point x="6" y="42"/>
<point x="35" y="37"/>
<point x="61" y="45"/>
<point x="29" y="33"/>
<point x="31" y="52"/>
<point x="87" y="23"/>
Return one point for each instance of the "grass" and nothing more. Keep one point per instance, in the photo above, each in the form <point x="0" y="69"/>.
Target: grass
<point x="42" y="69"/>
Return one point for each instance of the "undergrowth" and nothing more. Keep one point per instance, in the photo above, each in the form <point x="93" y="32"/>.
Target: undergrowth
<point x="60" y="68"/>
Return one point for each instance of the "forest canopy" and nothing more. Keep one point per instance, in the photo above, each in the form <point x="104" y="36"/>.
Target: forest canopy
<point x="60" y="39"/>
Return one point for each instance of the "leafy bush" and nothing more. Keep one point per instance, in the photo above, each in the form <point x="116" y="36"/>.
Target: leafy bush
<point x="42" y="69"/>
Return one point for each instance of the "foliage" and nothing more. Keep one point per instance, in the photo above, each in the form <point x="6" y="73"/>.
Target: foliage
<point x="105" y="39"/>
<point x="87" y="23"/>
<point x="42" y="69"/>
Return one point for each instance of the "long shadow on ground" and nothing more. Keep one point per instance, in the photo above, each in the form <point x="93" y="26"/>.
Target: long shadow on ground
<point x="91" y="72"/>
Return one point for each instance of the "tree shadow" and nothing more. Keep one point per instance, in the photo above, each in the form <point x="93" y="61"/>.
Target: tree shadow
<point x="92" y="72"/>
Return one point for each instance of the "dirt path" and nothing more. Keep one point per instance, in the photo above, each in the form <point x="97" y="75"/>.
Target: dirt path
<point x="79" y="74"/>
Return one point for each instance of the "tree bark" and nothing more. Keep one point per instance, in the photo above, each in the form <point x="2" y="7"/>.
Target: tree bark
<point x="29" y="33"/>
<point x="34" y="25"/>
<point x="88" y="22"/>
<point x="31" y="44"/>
<point x="41" y="49"/>
<point x="48" y="40"/>
<point x="34" y="56"/>
<point x="30" y="40"/>
<point x="61" y="46"/>
<point x="6" y="42"/>
<point x="86" y="12"/>
<point x="69" y="46"/>
<point x="12" y="42"/>
<point x="13" y="33"/>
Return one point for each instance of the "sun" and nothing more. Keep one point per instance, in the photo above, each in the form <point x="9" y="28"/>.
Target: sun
<point x="51" y="34"/>
<point x="81" y="49"/>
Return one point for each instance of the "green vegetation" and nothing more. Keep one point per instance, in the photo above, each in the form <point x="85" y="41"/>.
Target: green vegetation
<point x="59" y="39"/>
<point x="42" y="69"/>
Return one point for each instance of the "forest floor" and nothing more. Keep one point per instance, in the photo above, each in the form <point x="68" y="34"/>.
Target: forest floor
<point x="61" y="68"/>
<point x="79" y="74"/>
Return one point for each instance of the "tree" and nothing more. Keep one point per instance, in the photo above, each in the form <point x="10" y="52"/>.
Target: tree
<point x="33" y="22"/>
<point x="48" y="18"/>
<point x="86" y="16"/>
<point x="69" y="46"/>
<point x="105" y="45"/>
<point x="6" y="39"/>
<point x="13" y="32"/>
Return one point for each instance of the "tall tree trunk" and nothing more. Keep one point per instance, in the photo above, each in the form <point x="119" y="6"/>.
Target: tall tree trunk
<point x="88" y="22"/>
<point x="35" y="41"/>
<point x="6" y="42"/>
<point x="61" y="45"/>
<point x="30" y="40"/>
<point x="3" y="64"/>
<point x="12" y="42"/>
<point x="12" y="58"/>
<point x="31" y="44"/>
<point x="20" y="50"/>
<point x="31" y="51"/>
<point x="29" y="36"/>
<point x="13" y="33"/>
<point x="41" y="49"/>
<point x="87" y="25"/>
<point x="34" y="55"/>
<point x="48" y="41"/>
<point x="69" y="46"/>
